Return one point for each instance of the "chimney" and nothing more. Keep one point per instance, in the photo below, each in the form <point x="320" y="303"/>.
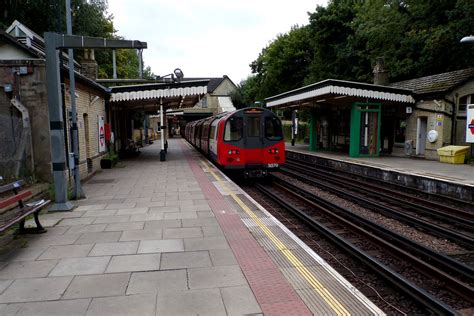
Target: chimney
<point x="380" y="72"/>
<point x="89" y="66"/>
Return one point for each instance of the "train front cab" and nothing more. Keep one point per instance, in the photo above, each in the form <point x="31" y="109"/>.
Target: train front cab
<point x="252" y="140"/>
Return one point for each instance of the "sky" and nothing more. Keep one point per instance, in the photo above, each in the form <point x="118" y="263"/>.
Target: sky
<point x="207" y="38"/>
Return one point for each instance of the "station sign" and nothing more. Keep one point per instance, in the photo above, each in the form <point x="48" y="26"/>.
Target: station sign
<point x="101" y="135"/>
<point x="470" y="123"/>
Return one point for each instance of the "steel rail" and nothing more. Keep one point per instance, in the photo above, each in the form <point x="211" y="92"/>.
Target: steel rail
<point x="447" y="264"/>
<point x="364" y="187"/>
<point x="417" y="293"/>
<point x="461" y="239"/>
<point x="399" y="186"/>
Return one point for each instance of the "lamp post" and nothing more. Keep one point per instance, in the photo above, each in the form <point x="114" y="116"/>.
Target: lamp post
<point x="176" y="76"/>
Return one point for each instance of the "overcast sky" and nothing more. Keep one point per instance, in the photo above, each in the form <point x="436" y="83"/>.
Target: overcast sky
<point x="207" y="38"/>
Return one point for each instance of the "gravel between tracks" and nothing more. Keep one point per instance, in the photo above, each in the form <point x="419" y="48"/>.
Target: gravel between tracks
<point x="438" y="244"/>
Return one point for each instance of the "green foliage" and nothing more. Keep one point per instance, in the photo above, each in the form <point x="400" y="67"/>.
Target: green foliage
<point x="89" y="17"/>
<point x="343" y="40"/>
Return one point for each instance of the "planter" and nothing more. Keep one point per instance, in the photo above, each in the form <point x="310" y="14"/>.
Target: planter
<point x="106" y="163"/>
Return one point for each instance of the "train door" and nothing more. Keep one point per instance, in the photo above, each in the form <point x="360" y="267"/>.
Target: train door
<point x="253" y="122"/>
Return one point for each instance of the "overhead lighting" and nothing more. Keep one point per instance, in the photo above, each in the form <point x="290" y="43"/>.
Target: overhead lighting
<point x="322" y="100"/>
<point x="340" y="97"/>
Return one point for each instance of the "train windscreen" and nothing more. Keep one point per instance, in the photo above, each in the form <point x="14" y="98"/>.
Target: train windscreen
<point x="253" y="126"/>
<point x="273" y="129"/>
<point x="233" y="129"/>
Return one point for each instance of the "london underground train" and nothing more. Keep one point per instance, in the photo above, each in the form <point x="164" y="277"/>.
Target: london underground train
<point x="249" y="141"/>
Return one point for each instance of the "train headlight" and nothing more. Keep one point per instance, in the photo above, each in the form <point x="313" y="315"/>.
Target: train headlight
<point x="233" y="152"/>
<point x="273" y="151"/>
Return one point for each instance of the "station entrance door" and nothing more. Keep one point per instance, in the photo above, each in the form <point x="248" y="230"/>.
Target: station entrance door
<point x="365" y="130"/>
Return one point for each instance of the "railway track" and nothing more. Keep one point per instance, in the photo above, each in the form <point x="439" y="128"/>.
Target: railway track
<point x="439" y="222"/>
<point x="434" y="201"/>
<point x="455" y="275"/>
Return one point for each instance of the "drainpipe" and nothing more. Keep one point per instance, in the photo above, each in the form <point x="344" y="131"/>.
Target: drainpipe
<point x="454" y="117"/>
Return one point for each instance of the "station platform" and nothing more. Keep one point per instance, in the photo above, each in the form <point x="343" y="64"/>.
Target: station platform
<point x="169" y="238"/>
<point x="427" y="175"/>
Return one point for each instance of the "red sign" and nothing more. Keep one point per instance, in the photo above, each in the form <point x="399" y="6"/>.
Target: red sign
<point x="107" y="131"/>
<point x="471" y="127"/>
<point x="102" y="136"/>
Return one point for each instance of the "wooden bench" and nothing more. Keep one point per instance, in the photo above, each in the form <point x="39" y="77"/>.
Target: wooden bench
<point x="11" y="214"/>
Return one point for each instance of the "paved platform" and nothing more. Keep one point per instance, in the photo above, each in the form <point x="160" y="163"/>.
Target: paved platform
<point x="462" y="174"/>
<point x="169" y="238"/>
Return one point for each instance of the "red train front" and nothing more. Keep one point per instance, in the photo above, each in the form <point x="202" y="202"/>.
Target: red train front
<point x="249" y="140"/>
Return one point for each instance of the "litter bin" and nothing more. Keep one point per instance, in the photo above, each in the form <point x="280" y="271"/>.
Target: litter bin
<point x="453" y="154"/>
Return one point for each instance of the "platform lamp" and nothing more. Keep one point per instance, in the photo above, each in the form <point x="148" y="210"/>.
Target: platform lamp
<point x="464" y="40"/>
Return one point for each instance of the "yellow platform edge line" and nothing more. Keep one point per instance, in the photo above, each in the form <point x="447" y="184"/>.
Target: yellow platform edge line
<point x="305" y="273"/>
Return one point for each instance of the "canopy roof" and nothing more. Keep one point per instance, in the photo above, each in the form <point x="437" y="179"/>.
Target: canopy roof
<point x="149" y="96"/>
<point x="340" y="91"/>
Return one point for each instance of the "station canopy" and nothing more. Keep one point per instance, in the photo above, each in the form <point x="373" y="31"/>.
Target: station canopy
<point x="149" y="97"/>
<point x="340" y="92"/>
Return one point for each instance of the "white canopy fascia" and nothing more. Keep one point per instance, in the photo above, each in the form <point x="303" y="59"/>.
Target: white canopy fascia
<point x="157" y="93"/>
<point x="347" y="91"/>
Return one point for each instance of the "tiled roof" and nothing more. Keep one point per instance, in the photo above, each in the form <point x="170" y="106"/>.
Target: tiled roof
<point x="213" y="82"/>
<point x="436" y="83"/>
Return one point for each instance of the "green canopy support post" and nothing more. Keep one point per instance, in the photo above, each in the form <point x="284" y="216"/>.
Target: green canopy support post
<point x="313" y="136"/>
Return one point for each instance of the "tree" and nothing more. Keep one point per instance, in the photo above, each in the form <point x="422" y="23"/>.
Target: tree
<point x="89" y="18"/>
<point x="283" y="64"/>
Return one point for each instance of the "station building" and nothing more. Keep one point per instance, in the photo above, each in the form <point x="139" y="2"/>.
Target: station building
<point x="408" y="118"/>
<point x="25" y="142"/>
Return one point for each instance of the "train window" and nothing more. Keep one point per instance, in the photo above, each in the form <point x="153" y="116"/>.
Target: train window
<point x="213" y="132"/>
<point x="273" y="128"/>
<point x="253" y="126"/>
<point x="233" y="129"/>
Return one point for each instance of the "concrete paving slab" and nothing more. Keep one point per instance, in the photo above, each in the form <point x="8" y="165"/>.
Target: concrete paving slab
<point x="111" y="219"/>
<point x="187" y="232"/>
<point x="10" y="309"/>
<point x="100" y="213"/>
<point x="92" y="238"/>
<point x="81" y="229"/>
<point x="93" y="207"/>
<point x="158" y="246"/>
<point x="97" y="285"/>
<point x="221" y="276"/>
<point x="194" y="302"/>
<point x="151" y="204"/>
<point x="150" y="216"/>
<point x="180" y="215"/>
<point x="206" y="243"/>
<point x="27" y="269"/>
<point x="239" y="300"/>
<point x="143" y="305"/>
<point x="157" y="281"/>
<point x="212" y="231"/>
<point x="162" y="223"/>
<point x="205" y="214"/>
<point x="130" y="211"/>
<point x="183" y="260"/>
<point x="114" y="248"/>
<point x="76" y="221"/>
<point x="46" y="222"/>
<point x="80" y="266"/>
<point x="200" y="222"/>
<point x="38" y="289"/>
<point x="67" y="251"/>
<point x="146" y="234"/>
<point x="52" y="240"/>
<point x="125" y="226"/>
<point x="222" y="257"/>
<point x="22" y="254"/>
<point x="55" y="308"/>
<point x="118" y="206"/>
<point x="131" y="263"/>
<point x="4" y="285"/>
